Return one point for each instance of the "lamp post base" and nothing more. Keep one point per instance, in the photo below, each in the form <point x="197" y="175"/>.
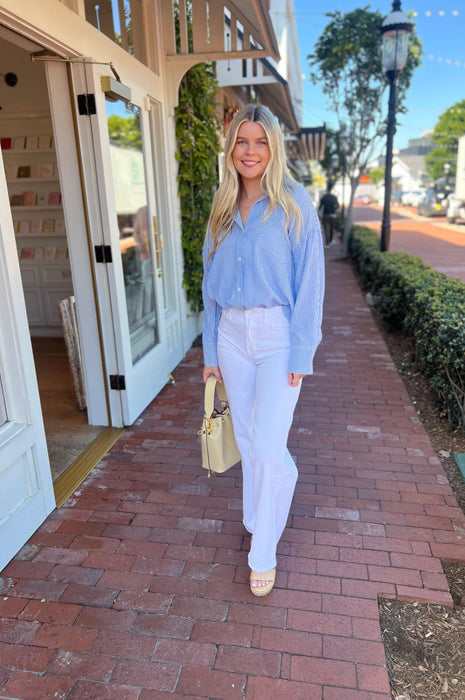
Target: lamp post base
<point x="385" y="236"/>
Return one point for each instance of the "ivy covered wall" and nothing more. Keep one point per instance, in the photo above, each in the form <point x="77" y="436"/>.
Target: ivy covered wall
<point x="198" y="146"/>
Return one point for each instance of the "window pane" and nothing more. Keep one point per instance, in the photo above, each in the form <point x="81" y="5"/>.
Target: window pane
<point x="128" y="168"/>
<point x="121" y="21"/>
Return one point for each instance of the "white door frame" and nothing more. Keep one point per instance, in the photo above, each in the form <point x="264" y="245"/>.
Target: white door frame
<point x="148" y="375"/>
<point x="79" y="246"/>
<point x="26" y="489"/>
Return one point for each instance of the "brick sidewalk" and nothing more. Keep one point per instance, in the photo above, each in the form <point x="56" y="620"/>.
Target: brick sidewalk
<point x="137" y="588"/>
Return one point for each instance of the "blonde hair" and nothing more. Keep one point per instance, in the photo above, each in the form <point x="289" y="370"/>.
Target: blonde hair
<point x="226" y="200"/>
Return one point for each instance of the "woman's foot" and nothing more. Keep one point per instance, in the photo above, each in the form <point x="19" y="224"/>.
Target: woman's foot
<point x="261" y="583"/>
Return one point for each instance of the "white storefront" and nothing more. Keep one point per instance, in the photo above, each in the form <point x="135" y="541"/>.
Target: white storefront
<point x="93" y="214"/>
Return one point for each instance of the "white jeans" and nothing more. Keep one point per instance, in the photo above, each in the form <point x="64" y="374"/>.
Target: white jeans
<point x="253" y="352"/>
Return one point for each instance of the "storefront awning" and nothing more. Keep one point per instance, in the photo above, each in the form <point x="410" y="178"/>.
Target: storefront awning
<point x="308" y="144"/>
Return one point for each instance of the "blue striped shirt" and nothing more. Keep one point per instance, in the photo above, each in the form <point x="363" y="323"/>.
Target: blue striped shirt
<point x="259" y="264"/>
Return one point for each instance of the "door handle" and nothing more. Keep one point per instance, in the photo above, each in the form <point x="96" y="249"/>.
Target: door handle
<point x="159" y="245"/>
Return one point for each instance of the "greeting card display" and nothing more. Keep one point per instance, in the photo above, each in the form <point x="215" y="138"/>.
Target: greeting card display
<point x="24" y="226"/>
<point x="11" y="171"/>
<point x="29" y="199"/>
<point x="19" y="143"/>
<point x="45" y="141"/>
<point x="32" y="142"/>
<point x="24" y="171"/>
<point x="36" y="170"/>
<point x="47" y="170"/>
<point x="36" y="226"/>
<point x="54" y="198"/>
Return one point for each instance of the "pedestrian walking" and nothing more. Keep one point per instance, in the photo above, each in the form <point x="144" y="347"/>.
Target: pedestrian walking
<point x="263" y="293"/>
<point x="327" y="212"/>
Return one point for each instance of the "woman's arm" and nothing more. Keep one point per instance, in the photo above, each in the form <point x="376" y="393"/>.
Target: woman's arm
<point x="308" y="259"/>
<point x="211" y="317"/>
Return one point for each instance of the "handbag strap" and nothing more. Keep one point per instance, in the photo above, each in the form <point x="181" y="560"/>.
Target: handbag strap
<point x="210" y="387"/>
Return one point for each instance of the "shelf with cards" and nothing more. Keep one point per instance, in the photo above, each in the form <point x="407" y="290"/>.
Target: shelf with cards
<point x="26" y="151"/>
<point x="37" y="208"/>
<point x="34" y="191"/>
<point x="27" y="180"/>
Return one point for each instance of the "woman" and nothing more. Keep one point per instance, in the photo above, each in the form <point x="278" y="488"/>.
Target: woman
<point x="263" y="293"/>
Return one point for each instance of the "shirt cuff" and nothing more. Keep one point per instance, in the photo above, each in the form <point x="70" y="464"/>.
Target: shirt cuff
<point x="210" y="355"/>
<point x="301" y="359"/>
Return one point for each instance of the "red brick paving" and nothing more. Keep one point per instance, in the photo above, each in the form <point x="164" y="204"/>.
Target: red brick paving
<point x="137" y="587"/>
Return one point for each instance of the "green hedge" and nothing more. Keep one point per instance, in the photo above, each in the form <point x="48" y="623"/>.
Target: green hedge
<point x="425" y="305"/>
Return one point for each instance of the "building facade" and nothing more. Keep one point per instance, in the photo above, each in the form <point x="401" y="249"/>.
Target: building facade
<point x="89" y="211"/>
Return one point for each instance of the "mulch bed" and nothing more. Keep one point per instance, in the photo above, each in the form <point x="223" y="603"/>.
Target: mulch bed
<point x="425" y="644"/>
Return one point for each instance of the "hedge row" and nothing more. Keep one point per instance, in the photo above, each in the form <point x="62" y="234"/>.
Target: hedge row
<point x="425" y="305"/>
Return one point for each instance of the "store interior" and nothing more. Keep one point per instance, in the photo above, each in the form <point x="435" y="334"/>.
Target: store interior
<point x="34" y="190"/>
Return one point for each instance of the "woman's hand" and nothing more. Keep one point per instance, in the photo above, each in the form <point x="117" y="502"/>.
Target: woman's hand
<point x="294" y="379"/>
<point x="215" y="371"/>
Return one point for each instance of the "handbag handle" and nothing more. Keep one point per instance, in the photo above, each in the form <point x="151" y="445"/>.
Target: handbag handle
<point x="210" y="387"/>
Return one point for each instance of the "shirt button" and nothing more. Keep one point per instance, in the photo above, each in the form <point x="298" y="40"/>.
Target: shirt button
<point x="238" y="289"/>
<point x="239" y="259"/>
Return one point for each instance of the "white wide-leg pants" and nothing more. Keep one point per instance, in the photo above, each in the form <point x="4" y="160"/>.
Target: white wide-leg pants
<point x="253" y="352"/>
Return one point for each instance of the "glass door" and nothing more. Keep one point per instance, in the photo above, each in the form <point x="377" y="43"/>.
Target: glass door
<point x="135" y="280"/>
<point x="135" y="226"/>
<point x="119" y="181"/>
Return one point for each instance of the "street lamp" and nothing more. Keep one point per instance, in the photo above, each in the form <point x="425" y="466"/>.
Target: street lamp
<point x="395" y="30"/>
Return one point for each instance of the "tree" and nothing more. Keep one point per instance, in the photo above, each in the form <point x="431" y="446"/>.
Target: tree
<point x="125" y="131"/>
<point x="450" y="126"/>
<point x="347" y="63"/>
<point x="377" y="175"/>
<point x="332" y="148"/>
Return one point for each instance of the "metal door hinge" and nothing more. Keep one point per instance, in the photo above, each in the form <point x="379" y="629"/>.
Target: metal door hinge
<point x="117" y="382"/>
<point x="103" y="254"/>
<point x="86" y="104"/>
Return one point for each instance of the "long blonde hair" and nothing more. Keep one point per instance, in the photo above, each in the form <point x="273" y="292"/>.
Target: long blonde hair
<point x="226" y="200"/>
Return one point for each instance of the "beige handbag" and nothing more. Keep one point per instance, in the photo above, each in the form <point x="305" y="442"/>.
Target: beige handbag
<point x="219" y="449"/>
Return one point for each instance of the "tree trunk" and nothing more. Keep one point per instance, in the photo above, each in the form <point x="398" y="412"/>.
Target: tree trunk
<point x="354" y="181"/>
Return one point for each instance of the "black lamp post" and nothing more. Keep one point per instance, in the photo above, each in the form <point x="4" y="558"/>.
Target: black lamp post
<point x="395" y="30"/>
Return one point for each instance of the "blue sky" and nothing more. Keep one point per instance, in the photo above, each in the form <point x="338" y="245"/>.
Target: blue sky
<point x="437" y="84"/>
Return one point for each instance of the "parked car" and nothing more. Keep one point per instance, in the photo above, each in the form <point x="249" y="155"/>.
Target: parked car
<point x="363" y="199"/>
<point x="434" y="203"/>
<point x="413" y="198"/>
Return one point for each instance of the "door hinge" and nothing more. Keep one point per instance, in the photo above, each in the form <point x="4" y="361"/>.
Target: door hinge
<point x="103" y="254"/>
<point x="117" y="382"/>
<point x="86" y="104"/>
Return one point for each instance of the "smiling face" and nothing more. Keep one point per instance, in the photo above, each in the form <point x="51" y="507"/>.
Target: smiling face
<point x="251" y="152"/>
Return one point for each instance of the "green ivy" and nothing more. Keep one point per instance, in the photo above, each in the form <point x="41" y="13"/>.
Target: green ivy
<point x="198" y="147"/>
<point x="425" y="305"/>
